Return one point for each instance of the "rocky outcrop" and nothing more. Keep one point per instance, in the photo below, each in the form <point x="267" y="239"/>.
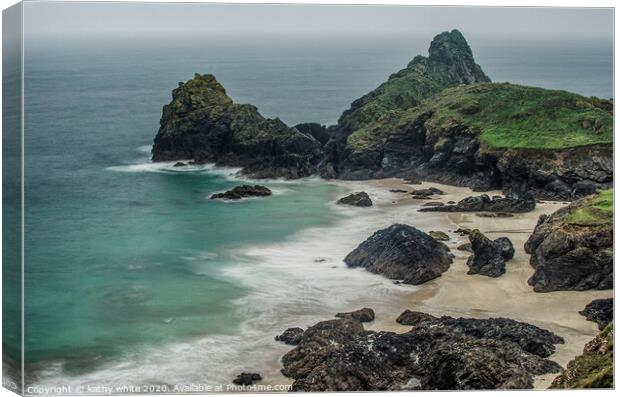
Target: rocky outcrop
<point x="465" y="136"/>
<point x="512" y="203"/>
<point x="291" y="336"/>
<point x="362" y="315"/>
<point x="203" y="124"/>
<point x="450" y="62"/>
<point x="359" y="199"/>
<point x="594" y="369"/>
<point x="239" y="192"/>
<point x="601" y="311"/>
<point x="572" y="249"/>
<point x="402" y="252"/>
<point x="437" y="354"/>
<point x="489" y="258"/>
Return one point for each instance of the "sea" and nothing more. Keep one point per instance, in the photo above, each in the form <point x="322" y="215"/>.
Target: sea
<point x="133" y="276"/>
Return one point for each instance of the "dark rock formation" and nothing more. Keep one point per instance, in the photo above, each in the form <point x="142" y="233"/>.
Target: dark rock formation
<point x="506" y="250"/>
<point x="179" y="164"/>
<point x="359" y="199"/>
<point x="397" y="191"/>
<point x="402" y="252"/>
<point x="433" y="204"/>
<point x="362" y="315"/>
<point x="572" y="249"/>
<point x="239" y="192"/>
<point x="512" y="203"/>
<point x="440" y="353"/>
<point x="315" y="130"/>
<point x="246" y="379"/>
<point x="601" y="311"/>
<point x="202" y="123"/>
<point x="291" y="336"/>
<point x="594" y="369"/>
<point x="489" y="258"/>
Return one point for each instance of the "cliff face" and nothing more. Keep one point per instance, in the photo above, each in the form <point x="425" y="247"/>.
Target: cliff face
<point x="555" y="144"/>
<point x="572" y="249"/>
<point x="203" y="124"/>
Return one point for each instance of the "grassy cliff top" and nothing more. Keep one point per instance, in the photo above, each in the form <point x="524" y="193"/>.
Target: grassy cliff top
<point x="594" y="211"/>
<point x="450" y="62"/>
<point x="505" y="116"/>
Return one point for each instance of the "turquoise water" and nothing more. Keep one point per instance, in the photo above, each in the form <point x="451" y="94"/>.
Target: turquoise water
<point x="123" y="255"/>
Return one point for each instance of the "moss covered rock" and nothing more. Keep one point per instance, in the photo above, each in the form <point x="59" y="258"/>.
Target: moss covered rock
<point x="594" y="368"/>
<point x="572" y="249"/>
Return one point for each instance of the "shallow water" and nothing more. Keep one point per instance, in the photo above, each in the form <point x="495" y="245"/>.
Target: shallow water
<point x="132" y="274"/>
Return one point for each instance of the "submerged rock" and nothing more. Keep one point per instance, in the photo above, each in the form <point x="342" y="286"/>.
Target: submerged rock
<point x="291" y="336"/>
<point x="572" y="249"/>
<point x="441" y="353"/>
<point x="246" y="378"/>
<point x="359" y="199"/>
<point x="362" y="315"/>
<point x="489" y="258"/>
<point x="402" y="252"/>
<point x="240" y="192"/>
<point x="512" y="203"/>
<point x="601" y="311"/>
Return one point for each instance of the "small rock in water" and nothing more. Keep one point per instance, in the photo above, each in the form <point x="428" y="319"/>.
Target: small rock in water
<point x="419" y="197"/>
<point x="246" y="378"/>
<point x="363" y="315"/>
<point x="494" y="214"/>
<point x="398" y="191"/>
<point x="179" y="164"/>
<point x="439" y="236"/>
<point x="359" y="199"/>
<point x="240" y="192"/>
<point x="451" y="202"/>
<point x="319" y="260"/>
<point x="291" y="336"/>
<point x="463" y="231"/>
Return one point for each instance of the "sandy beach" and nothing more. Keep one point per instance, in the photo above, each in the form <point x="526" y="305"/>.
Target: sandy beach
<point x="457" y="294"/>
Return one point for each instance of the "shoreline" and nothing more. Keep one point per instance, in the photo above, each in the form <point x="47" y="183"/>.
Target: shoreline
<point x="460" y="295"/>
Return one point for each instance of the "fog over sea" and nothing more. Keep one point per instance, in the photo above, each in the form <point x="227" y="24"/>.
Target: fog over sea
<point x="132" y="273"/>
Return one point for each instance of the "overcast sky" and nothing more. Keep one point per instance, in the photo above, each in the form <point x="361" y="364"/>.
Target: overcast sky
<point x="104" y="19"/>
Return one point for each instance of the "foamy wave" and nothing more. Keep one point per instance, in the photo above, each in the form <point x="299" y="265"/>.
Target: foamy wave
<point x="167" y="167"/>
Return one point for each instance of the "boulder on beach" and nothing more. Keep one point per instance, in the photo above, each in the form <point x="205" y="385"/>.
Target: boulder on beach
<point x="362" y="315"/>
<point x="402" y="252"/>
<point x="572" y="249"/>
<point x="440" y="353"/>
<point x="601" y="311"/>
<point x="243" y="191"/>
<point x="489" y="258"/>
<point x="359" y="199"/>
